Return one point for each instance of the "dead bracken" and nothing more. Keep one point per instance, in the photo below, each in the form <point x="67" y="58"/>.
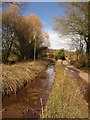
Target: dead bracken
<point x="16" y="76"/>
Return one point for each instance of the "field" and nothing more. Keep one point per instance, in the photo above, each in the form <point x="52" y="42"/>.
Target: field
<point x="65" y="100"/>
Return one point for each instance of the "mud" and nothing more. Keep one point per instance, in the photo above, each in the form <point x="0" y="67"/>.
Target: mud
<point x="29" y="102"/>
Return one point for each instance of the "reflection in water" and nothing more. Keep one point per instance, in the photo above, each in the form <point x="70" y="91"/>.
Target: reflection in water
<point x="27" y="104"/>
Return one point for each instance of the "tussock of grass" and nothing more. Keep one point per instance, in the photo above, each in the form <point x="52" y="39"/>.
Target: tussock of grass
<point x="14" y="77"/>
<point x="65" y="100"/>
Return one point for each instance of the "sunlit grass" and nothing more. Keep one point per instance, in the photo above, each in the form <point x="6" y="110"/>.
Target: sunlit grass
<point x="15" y="76"/>
<point x="65" y="100"/>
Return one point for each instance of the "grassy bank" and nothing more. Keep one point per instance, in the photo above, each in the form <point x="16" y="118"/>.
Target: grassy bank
<point x="16" y="76"/>
<point x="65" y="99"/>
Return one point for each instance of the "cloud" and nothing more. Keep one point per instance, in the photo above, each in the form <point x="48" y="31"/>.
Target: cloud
<point x="56" y="42"/>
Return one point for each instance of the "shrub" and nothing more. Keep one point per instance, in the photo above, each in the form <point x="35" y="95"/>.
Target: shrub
<point x="61" y="55"/>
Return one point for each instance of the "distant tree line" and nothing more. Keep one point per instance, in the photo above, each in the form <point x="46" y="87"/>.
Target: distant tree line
<point x="60" y="55"/>
<point x="22" y="36"/>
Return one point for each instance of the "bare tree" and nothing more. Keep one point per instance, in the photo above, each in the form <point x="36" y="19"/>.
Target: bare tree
<point x="8" y="24"/>
<point x="75" y="23"/>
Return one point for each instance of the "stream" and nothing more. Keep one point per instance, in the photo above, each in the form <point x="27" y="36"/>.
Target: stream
<point x="83" y="85"/>
<point x="28" y="103"/>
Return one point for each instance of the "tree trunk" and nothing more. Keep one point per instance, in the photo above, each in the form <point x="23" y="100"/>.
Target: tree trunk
<point x="88" y="47"/>
<point x="35" y="51"/>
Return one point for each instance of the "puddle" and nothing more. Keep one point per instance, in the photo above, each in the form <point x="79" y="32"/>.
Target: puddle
<point x="27" y="103"/>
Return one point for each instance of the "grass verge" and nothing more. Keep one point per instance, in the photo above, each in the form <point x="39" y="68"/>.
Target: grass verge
<point x="14" y="77"/>
<point x="65" y="99"/>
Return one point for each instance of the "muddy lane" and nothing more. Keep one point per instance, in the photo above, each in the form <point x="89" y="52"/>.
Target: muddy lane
<point x="83" y="85"/>
<point x="28" y="103"/>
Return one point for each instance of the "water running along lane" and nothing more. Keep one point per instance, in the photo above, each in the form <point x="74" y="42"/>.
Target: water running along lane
<point x="82" y="83"/>
<point x="27" y="103"/>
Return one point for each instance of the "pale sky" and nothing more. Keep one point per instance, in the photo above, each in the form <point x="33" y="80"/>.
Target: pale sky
<point x="57" y="42"/>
